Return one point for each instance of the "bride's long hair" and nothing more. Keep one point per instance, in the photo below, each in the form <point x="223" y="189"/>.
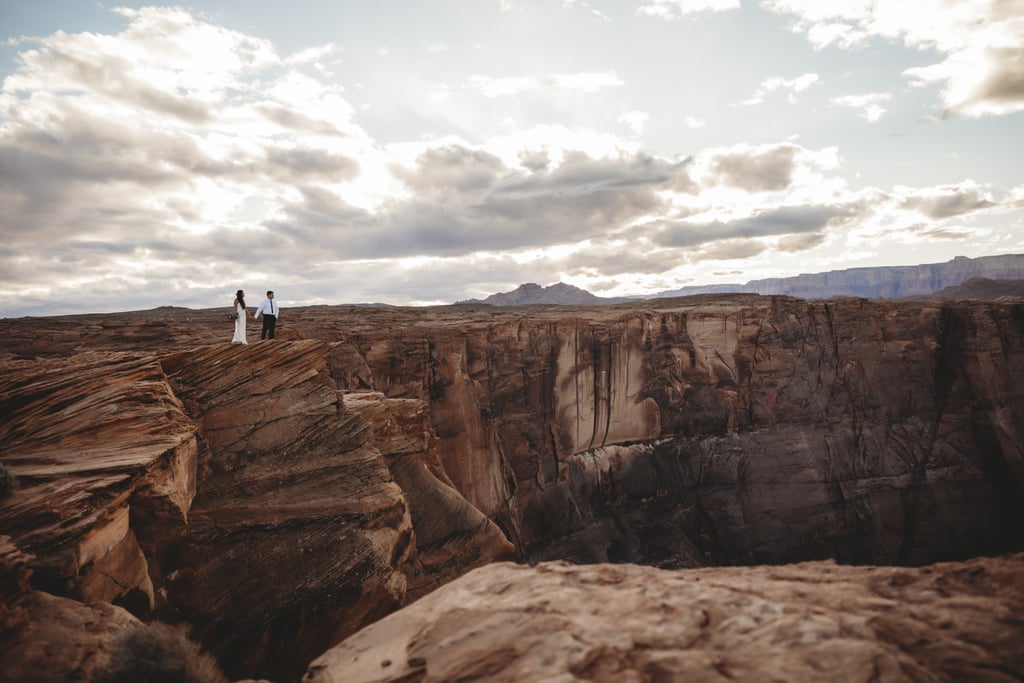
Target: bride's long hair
<point x="240" y="297"/>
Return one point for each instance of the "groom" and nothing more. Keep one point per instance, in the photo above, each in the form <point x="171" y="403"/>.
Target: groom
<point x="270" y="311"/>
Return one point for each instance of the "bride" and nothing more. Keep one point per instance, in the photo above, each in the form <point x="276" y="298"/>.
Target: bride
<point x="241" y="313"/>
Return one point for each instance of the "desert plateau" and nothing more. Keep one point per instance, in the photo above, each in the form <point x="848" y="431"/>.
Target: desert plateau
<point x="719" y="487"/>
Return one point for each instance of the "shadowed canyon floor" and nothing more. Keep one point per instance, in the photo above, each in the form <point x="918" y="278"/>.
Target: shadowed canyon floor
<point x="277" y="498"/>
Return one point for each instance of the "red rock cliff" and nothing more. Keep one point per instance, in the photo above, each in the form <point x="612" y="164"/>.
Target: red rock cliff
<point x="727" y="429"/>
<point x="227" y="487"/>
<point x="279" y="496"/>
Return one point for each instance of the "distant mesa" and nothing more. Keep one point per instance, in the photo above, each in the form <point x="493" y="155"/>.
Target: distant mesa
<point x="883" y="282"/>
<point x="533" y="294"/>
<point x="982" y="288"/>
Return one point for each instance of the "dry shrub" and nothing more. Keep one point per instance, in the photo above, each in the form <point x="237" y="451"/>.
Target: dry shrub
<point x="158" y="653"/>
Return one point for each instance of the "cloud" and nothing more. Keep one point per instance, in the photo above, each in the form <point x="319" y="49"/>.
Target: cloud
<point x="980" y="80"/>
<point x="950" y="233"/>
<point x="534" y="160"/>
<point x="295" y="120"/>
<point x="596" y="13"/>
<point x="304" y="163"/>
<point x="694" y="122"/>
<point x="869" y="104"/>
<point x="175" y="161"/>
<point x="505" y="86"/>
<point x="453" y="171"/>
<point x="792" y="85"/>
<point x="312" y="55"/>
<point x="761" y="169"/>
<point x="129" y="153"/>
<point x="635" y="120"/>
<point x="947" y="201"/>
<point x="464" y="200"/>
<point x="674" y="9"/>
<point x="730" y="250"/>
<point x="619" y="258"/>
<point x="981" y="43"/>
<point x="786" y="220"/>
<point x="798" y="243"/>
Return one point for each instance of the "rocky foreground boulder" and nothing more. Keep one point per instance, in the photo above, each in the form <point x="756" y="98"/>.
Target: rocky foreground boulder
<point x="808" y="622"/>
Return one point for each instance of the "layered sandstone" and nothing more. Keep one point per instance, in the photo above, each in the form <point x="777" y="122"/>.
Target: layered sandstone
<point x="452" y="536"/>
<point x="731" y="429"/>
<point x="806" y="622"/>
<point x="297" y="533"/>
<point x="61" y="640"/>
<point x="278" y="497"/>
<point x="728" y="429"/>
<point x="228" y="487"/>
<point x="93" y="441"/>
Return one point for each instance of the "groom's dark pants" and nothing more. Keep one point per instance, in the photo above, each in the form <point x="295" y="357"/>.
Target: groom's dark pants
<point x="269" y="322"/>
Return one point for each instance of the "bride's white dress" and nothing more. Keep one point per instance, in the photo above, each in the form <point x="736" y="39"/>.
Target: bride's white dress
<point x="239" y="337"/>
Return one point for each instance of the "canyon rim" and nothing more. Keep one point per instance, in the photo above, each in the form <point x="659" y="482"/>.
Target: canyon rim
<point x="278" y="499"/>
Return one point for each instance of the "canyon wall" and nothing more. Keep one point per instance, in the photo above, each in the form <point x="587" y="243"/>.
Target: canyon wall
<point x="278" y="497"/>
<point x="233" y="489"/>
<point x="730" y="430"/>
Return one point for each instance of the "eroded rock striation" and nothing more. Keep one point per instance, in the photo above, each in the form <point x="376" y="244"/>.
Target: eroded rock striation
<point x="452" y="536"/>
<point x="94" y="440"/>
<point x="280" y="496"/>
<point x="298" y="532"/>
<point x="226" y="487"/>
<point x="729" y="429"/>
<point x="804" y="622"/>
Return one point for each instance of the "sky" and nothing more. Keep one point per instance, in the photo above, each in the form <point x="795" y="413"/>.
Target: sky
<point x="426" y="152"/>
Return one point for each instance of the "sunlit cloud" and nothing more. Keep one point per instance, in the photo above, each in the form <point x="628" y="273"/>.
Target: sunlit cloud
<point x="674" y="9"/>
<point x="491" y="86"/>
<point x="870" y="104"/>
<point x="776" y="83"/>
<point x="312" y="54"/>
<point x="635" y="120"/>
<point x="981" y="43"/>
<point x="176" y="160"/>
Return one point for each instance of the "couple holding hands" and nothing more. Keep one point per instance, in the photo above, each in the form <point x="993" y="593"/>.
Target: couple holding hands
<point x="269" y="309"/>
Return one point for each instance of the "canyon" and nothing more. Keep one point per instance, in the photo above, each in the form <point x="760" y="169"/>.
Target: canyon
<point x="281" y="497"/>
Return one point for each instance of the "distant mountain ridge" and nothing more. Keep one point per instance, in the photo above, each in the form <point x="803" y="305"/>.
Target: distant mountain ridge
<point x="532" y="293"/>
<point x="881" y="282"/>
<point x="982" y="288"/>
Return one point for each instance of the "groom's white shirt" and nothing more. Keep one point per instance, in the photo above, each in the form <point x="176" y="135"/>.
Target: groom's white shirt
<point x="270" y="307"/>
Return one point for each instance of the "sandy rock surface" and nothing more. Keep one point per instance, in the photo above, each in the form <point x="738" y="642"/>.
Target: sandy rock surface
<point x="624" y="623"/>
